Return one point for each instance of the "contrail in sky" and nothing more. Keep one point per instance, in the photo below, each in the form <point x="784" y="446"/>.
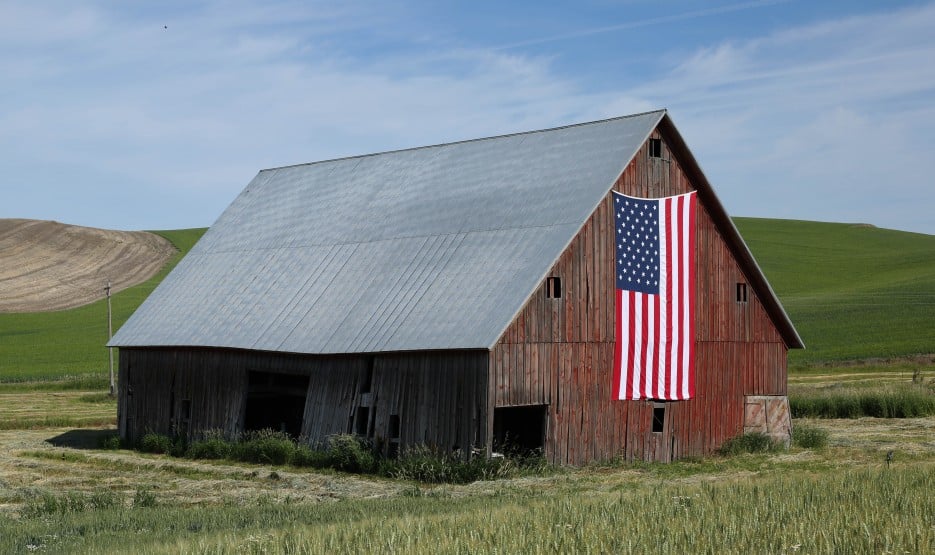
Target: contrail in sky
<point x="646" y="22"/>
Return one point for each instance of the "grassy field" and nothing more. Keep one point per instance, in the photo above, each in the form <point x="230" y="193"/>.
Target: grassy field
<point x="60" y="493"/>
<point x="852" y="291"/>
<point x="68" y="343"/>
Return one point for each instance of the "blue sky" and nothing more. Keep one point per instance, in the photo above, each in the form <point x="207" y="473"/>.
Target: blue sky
<point x="154" y="116"/>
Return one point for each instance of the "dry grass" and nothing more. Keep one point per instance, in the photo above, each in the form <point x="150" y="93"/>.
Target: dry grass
<point x="41" y="409"/>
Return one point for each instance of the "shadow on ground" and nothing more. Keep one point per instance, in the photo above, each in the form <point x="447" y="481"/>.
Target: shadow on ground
<point x="82" y="439"/>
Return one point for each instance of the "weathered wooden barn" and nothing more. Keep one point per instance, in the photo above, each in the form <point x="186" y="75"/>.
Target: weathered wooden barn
<point x="456" y="295"/>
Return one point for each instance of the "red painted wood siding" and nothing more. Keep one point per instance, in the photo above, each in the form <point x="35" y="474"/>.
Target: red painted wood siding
<point x="559" y="352"/>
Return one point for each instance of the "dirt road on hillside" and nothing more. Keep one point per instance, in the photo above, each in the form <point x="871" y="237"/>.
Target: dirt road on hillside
<point x="47" y="266"/>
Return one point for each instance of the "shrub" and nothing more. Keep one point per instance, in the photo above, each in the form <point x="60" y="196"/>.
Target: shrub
<point x="214" y="448"/>
<point x="424" y="464"/>
<point x="306" y="456"/>
<point x="264" y="446"/>
<point x="110" y="442"/>
<point x="350" y="453"/>
<point x="809" y="437"/>
<point x="156" y="443"/>
<point x="751" y="442"/>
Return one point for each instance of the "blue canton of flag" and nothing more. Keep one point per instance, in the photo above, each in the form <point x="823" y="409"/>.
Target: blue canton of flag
<point x="637" y="235"/>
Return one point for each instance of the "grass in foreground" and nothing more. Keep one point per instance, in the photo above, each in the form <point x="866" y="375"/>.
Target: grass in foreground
<point x="44" y="345"/>
<point x="871" y="510"/>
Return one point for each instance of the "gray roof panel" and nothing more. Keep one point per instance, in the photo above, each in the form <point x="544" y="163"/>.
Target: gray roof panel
<point x="430" y="248"/>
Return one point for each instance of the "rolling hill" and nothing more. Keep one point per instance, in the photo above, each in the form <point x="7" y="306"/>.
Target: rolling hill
<point x="44" y="345"/>
<point x="853" y="291"/>
<point x="46" y="266"/>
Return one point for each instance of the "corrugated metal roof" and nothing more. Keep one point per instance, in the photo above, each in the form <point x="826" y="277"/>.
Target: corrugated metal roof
<point x="430" y="248"/>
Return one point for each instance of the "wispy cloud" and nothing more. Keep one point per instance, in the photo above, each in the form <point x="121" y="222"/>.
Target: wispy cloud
<point x="824" y="121"/>
<point x="165" y="112"/>
<point x="646" y="22"/>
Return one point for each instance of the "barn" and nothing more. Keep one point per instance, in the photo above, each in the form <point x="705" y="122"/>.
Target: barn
<point x="459" y="295"/>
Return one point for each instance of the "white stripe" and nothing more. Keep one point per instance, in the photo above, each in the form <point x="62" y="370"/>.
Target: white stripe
<point x="637" y="339"/>
<point x="663" y="275"/>
<point x="675" y="301"/>
<point x="686" y="323"/>
<point x="624" y="340"/>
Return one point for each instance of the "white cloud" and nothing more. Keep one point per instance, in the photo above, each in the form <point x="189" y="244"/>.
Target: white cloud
<point x="831" y="121"/>
<point x="113" y="99"/>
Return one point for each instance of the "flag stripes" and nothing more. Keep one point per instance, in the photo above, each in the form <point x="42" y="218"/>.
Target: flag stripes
<point x="654" y="352"/>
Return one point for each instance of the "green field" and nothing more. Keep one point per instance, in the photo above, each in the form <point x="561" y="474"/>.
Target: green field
<point x="853" y="292"/>
<point x="70" y="343"/>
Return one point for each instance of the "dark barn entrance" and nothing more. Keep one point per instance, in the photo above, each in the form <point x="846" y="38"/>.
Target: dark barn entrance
<point x="275" y="401"/>
<point x="519" y="430"/>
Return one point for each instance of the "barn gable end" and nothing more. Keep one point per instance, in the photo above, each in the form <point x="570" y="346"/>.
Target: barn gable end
<point x="558" y="351"/>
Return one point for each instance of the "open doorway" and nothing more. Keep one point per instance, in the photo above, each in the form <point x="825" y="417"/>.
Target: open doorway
<point x="276" y="402"/>
<point x="519" y="430"/>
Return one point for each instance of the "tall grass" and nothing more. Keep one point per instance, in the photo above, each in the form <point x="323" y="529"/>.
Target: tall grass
<point x="904" y="401"/>
<point x="872" y="510"/>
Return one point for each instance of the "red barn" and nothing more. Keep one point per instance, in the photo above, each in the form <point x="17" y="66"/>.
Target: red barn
<point x="459" y="295"/>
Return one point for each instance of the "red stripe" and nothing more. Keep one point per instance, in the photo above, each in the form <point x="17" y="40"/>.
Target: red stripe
<point x="658" y="391"/>
<point x="680" y="344"/>
<point x="618" y="344"/>
<point x="693" y="199"/>
<point x="631" y="318"/>
<point x="644" y="346"/>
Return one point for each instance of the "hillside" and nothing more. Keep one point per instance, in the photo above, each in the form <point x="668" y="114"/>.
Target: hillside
<point x="43" y="345"/>
<point x="852" y="290"/>
<point x="46" y="266"/>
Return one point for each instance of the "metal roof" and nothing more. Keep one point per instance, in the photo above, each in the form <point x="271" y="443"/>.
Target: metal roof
<point x="429" y="248"/>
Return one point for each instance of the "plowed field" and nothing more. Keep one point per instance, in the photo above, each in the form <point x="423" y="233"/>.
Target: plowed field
<point x="46" y="266"/>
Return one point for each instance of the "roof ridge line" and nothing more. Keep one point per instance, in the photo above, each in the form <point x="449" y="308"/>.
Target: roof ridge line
<point x="465" y="141"/>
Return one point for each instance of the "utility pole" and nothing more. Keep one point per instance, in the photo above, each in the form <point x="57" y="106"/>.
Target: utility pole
<point x="110" y="335"/>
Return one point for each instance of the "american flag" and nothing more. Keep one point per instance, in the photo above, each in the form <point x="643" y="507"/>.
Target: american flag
<point x="655" y="306"/>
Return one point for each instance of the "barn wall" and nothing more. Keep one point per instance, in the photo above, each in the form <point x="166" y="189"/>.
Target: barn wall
<point x="559" y="352"/>
<point x="434" y="398"/>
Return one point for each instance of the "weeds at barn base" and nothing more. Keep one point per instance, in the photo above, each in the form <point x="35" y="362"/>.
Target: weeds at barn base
<point x="348" y="453"/>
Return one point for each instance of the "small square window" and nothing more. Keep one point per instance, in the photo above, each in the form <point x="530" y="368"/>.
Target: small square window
<point x="741" y="292"/>
<point x="655" y="148"/>
<point x="553" y="287"/>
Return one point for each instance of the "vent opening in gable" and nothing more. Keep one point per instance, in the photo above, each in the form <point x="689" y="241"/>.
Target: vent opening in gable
<point x="655" y="148"/>
<point x="553" y="287"/>
<point x="741" y="292"/>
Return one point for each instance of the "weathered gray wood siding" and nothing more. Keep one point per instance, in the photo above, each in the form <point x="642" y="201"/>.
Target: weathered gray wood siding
<point x="437" y="398"/>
